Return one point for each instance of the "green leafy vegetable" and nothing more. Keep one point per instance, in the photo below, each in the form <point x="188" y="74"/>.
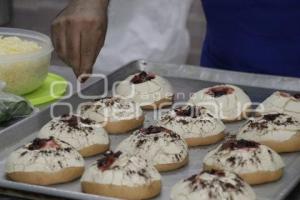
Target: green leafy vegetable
<point x="12" y="106"/>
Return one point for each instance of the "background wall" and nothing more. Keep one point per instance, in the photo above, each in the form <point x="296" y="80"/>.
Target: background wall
<point x="38" y="14"/>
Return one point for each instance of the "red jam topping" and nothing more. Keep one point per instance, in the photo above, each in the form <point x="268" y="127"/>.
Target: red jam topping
<point x="39" y="144"/>
<point x="142" y="77"/>
<point x="239" y="144"/>
<point x="109" y="158"/>
<point x="285" y="94"/>
<point x="220" y="91"/>
<point x="153" y="130"/>
<point x="188" y="111"/>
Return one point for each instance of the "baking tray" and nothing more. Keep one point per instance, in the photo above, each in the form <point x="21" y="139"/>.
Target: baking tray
<point x="185" y="80"/>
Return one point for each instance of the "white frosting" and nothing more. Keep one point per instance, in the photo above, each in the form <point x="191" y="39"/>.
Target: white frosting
<point x="145" y="93"/>
<point x="78" y="132"/>
<point x="228" y="107"/>
<point x="209" y="186"/>
<point x="157" y="148"/>
<point x="44" y="160"/>
<point x="125" y="171"/>
<point x="203" y="125"/>
<point x="282" y="128"/>
<point x="111" y="109"/>
<point x="245" y="160"/>
<point x="283" y="104"/>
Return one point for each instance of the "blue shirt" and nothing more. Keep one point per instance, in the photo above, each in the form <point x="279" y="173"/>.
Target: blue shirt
<point x="260" y="36"/>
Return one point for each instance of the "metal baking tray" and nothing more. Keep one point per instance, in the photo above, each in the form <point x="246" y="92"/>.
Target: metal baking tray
<point x="185" y="80"/>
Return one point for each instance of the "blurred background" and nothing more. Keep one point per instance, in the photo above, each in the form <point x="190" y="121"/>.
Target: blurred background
<point x="38" y="14"/>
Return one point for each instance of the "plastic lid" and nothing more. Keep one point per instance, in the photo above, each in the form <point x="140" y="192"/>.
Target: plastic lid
<point x="43" y="94"/>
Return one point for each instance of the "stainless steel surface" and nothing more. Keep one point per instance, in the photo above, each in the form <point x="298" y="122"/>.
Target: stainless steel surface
<point x="188" y="82"/>
<point x="5" y="11"/>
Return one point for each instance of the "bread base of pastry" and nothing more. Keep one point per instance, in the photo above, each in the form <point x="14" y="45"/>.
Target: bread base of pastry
<point x="239" y="118"/>
<point x="201" y="141"/>
<point x="123" y="126"/>
<point x="290" y="145"/>
<point x="255" y="178"/>
<point x="93" y="150"/>
<point x="166" y="102"/>
<point x="47" y="178"/>
<point x="172" y="166"/>
<point x="123" y="192"/>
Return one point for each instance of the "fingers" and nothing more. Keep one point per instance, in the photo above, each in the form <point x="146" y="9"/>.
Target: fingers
<point x="88" y="51"/>
<point x="73" y="46"/>
<point x="58" y="35"/>
<point x="78" y="34"/>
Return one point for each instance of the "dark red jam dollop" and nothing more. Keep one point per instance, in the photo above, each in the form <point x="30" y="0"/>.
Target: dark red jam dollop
<point x="109" y="158"/>
<point x="153" y="130"/>
<point x="271" y="117"/>
<point x="297" y="96"/>
<point x="188" y="111"/>
<point x="39" y="143"/>
<point x="73" y="120"/>
<point x="239" y="144"/>
<point x="285" y="94"/>
<point x="142" y="77"/>
<point x="219" y="91"/>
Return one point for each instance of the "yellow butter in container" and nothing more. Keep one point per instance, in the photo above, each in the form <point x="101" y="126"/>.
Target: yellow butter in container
<point x="24" y="59"/>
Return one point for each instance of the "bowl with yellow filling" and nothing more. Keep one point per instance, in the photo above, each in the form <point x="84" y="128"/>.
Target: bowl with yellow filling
<point x="24" y="59"/>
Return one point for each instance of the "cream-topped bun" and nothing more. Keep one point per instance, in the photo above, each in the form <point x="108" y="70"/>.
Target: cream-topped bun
<point x="254" y="162"/>
<point x="117" y="115"/>
<point x="85" y="135"/>
<point x="279" y="131"/>
<point x="195" y="124"/>
<point x="122" y="176"/>
<point x="44" y="162"/>
<point x="163" y="148"/>
<point x="149" y="90"/>
<point x="227" y="102"/>
<point x="213" y="185"/>
<point x="282" y="102"/>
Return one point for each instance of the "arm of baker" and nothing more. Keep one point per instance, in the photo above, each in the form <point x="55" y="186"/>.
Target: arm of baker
<point x="78" y="33"/>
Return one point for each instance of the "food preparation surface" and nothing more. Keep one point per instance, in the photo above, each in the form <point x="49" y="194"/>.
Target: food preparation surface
<point x="184" y="82"/>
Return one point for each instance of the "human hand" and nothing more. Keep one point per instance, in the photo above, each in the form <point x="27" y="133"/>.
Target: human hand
<point x="78" y="33"/>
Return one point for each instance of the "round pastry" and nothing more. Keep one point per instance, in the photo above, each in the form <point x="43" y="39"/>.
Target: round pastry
<point x="85" y="135"/>
<point x="195" y="124"/>
<point x="281" y="102"/>
<point x="254" y="162"/>
<point x="227" y="102"/>
<point x="149" y="90"/>
<point x="116" y="115"/>
<point x="279" y="131"/>
<point x="213" y="185"/>
<point x="45" y="162"/>
<point x="163" y="148"/>
<point x="122" y="176"/>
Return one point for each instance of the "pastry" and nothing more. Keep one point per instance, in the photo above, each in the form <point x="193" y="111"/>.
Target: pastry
<point x="254" y="162"/>
<point x="122" y="176"/>
<point x="279" y="131"/>
<point x="44" y="162"/>
<point x="195" y="124"/>
<point x="282" y="102"/>
<point x="117" y="115"/>
<point x="227" y="102"/>
<point x="163" y="148"/>
<point x="213" y="185"/>
<point x="149" y="90"/>
<point x="85" y="135"/>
